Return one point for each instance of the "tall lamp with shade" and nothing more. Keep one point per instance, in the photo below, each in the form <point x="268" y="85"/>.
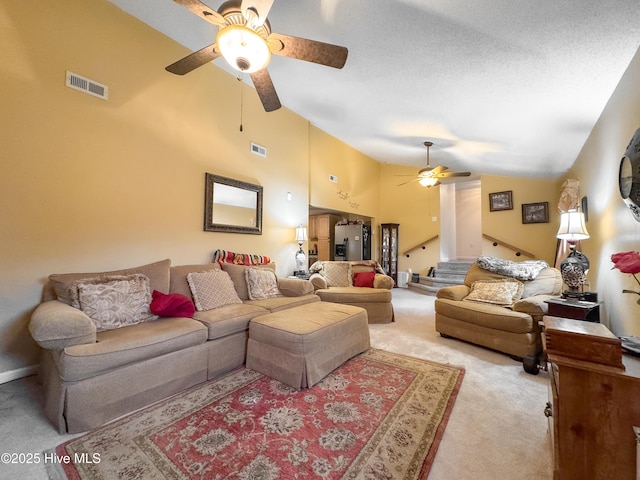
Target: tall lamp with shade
<point x="301" y="258"/>
<point x="575" y="266"/>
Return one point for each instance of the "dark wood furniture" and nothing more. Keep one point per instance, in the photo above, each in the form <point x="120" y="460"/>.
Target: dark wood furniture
<point x="389" y="244"/>
<point x="576" y="309"/>
<point x="593" y="401"/>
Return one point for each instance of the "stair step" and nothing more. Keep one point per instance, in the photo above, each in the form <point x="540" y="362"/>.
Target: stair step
<point x="421" y="288"/>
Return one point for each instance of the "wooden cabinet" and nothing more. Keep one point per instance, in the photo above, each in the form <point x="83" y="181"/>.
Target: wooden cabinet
<point x="593" y="405"/>
<point x="322" y="233"/>
<point x="389" y="249"/>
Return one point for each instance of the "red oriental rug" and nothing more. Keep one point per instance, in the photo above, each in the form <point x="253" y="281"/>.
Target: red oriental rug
<point x="380" y="415"/>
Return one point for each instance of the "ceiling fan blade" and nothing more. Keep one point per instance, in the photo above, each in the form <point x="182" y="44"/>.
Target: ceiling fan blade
<point x="436" y="170"/>
<point x="200" y="9"/>
<point x="308" y="50"/>
<point x="266" y="91"/>
<point x="453" y="174"/>
<point x="261" y="7"/>
<point x="408" y="181"/>
<point x="193" y="61"/>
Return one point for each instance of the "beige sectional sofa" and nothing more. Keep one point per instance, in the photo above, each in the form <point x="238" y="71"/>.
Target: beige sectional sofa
<point x="511" y="328"/>
<point x="337" y="282"/>
<point x="91" y="376"/>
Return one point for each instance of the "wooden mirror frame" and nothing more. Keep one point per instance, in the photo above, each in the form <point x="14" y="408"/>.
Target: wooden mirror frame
<point x="210" y="226"/>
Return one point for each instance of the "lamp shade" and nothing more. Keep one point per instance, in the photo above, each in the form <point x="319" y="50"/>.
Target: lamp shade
<point x="572" y="226"/>
<point x="301" y="234"/>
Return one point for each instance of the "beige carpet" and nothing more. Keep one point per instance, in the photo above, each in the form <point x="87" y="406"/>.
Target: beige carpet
<point x="497" y="429"/>
<point x="379" y="415"/>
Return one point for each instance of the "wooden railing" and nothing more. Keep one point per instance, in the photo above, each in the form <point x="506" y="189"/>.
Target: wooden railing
<point x="518" y="251"/>
<point x="419" y="245"/>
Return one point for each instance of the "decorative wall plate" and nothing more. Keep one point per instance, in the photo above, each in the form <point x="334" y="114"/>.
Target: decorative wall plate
<point x="629" y="176"/>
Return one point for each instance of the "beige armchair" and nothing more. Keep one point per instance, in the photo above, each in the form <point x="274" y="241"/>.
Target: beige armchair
<point x="360" y="283"/>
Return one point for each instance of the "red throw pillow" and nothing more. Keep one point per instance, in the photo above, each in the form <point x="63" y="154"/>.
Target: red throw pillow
<point x="364" y="279"/>
<point x="171" y="305"/>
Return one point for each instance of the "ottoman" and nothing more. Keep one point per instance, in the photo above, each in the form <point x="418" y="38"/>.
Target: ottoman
<point x="301" y="345"/>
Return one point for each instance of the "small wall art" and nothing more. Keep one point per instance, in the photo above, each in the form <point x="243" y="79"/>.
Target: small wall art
<point x="535" y="212"/>
<point x="500" y="201"/>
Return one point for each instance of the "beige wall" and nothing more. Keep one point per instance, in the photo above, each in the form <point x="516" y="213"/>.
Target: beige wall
<point x="611" y="226"/>
<point x="90" y="185"/>
<point x="506" y="225"/>
<point x="414" y="208"/>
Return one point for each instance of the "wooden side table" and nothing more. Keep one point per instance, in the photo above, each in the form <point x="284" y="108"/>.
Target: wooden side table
<point x="574" y="309"/>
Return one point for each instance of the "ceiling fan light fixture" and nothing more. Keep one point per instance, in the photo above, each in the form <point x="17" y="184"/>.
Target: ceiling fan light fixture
<point x="243" y="48"/>
<point x="428" y="181"/>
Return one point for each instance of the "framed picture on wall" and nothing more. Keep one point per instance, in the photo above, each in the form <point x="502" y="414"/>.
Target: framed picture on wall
<point x="535" y="212"/>
<point x="500" y="201"/>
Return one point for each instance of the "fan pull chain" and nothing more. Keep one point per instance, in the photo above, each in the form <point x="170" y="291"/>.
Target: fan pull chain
<point x="241" y="99"/>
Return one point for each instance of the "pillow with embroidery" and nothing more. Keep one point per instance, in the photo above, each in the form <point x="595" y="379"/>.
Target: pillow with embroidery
<point x="212" y="289"/>
<point x="261" y="283"/>
<point x="496" y="292"/>
<point x="113" y="301"/>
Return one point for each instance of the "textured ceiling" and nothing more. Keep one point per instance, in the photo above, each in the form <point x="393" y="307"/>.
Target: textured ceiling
<point x="503" y="87"/>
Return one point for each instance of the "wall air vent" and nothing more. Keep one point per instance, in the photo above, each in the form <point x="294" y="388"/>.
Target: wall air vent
<point x="85" y="85"/>
<point x="258" y="150"/>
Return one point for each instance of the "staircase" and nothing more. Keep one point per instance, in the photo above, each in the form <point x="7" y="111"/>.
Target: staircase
<point x="444" y="275"/>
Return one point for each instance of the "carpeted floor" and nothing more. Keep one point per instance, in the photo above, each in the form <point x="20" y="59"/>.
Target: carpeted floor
<point x="379" y="415"/>
<point x="496" y="430"/>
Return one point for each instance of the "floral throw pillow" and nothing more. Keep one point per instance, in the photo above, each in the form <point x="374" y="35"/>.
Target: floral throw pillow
<point x="261" y="283"/>
<point x="496" y="292"/>
<point x="113" y="301"/>
<point x="212" y="289"/>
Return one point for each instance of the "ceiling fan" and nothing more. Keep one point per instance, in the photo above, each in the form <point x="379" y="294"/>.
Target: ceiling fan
<point x="246" y="42"/>
<point x="430" y="176"/>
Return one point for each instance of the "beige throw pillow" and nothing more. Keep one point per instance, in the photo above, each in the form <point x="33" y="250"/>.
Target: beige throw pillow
<point x="261" y="283"/>
<point x="239" y="278"/>
<point x="212" y="289"/>
<point x="337" y="274"/>
<point x="113" y="301"/>
<point x="496" y="292"/>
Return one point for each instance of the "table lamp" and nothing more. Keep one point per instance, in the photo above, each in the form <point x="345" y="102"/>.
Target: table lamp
<point x="301" y="258"/>
<point x="574" y="267"/>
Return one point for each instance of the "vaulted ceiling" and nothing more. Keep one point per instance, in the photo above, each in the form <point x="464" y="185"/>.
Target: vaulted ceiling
<point x="502" y="87"/>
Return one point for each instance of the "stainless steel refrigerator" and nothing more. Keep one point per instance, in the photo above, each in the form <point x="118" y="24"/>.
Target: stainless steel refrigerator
<point x="352" y="242"/>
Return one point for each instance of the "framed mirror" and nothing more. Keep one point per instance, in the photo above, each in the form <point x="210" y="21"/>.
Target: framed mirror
<point x="232" y="206"/>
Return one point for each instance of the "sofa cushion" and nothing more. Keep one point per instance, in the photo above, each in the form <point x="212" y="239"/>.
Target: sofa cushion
<point x="294" y="287"/>
<point x="227" y="320"/>
<point x="548" y="282"/>
<point x="212" y="289"/>
<point x="486" y="315"/>
<point x="178" y="282"/>
<point x="353" y="295"/>
<point x="497" y="292"/>
<point x="277" y="304"/>
<point x="113" y="301"/>
<point x="337" y="274"/>
<point x="364" y="279"/>
<point x="261" y="283"/>
<point x="157" y="272"/>
<point x="127" y="345"/>
<point x="171" y="305"/>
<point x="238" y="276"/>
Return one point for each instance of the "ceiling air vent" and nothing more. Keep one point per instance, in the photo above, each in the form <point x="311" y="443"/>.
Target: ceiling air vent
<point x="85" y="85"/>
<point x="258" y="150"/>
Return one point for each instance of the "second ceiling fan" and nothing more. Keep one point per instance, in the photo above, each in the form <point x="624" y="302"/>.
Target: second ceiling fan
<point x="430" y="176"/>
<point x="246" y="42"/>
